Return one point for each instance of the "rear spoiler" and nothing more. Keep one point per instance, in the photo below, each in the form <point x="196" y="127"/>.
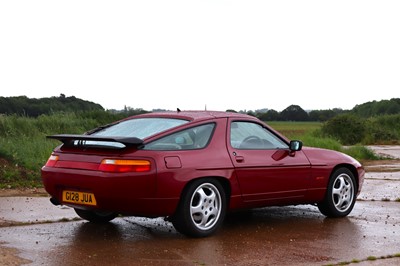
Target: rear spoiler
<point x="69" y="139"/>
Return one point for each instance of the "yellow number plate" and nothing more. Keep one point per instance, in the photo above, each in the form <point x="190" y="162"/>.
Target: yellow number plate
<point x="79" y="198"/>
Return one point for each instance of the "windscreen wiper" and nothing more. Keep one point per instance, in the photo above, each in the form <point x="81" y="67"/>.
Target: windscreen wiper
<point x="97" y="129"/>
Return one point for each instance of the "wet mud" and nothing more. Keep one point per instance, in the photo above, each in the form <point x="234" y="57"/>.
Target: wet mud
<point x="35" y="232"/>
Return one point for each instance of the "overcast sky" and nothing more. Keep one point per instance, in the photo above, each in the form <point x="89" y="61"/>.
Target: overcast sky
<point x="242" y="55"/>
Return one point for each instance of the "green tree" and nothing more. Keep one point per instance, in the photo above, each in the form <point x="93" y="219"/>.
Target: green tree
<point x="325" y="115"/>
<point x="22" y="105"/>
<point x="375" y="108"/>
<point x="294" y="113"/>
<point x="270" y="115"/>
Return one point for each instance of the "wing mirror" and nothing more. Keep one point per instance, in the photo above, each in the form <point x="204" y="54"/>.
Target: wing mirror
<point x="295" y="145"/>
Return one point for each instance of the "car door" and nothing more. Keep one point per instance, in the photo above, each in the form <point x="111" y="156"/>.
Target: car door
<point x="267" y="171"/>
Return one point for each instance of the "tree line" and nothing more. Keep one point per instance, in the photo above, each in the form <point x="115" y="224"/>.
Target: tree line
<point x="296" y="113"/>
<point x="30" y="107"/>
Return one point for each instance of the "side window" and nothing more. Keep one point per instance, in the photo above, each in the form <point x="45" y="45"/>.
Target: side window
<point x="188" y="139"/>
<point x="252" y="136"/>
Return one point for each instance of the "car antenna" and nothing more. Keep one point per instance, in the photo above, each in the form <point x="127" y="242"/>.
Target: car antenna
<point x="178" y="110"/>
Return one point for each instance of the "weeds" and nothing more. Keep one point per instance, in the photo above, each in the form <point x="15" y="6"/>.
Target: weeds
<point x="24" y="145"/>
<point x="369" y="258"/>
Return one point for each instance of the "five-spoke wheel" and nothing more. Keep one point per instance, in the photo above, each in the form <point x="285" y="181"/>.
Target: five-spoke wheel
<point x="340" y="195"/>
<point x="202" y="208"/>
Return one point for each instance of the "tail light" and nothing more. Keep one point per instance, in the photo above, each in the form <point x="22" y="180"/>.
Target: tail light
<point x="123" y="166"/>
<point x="51" y="162"/>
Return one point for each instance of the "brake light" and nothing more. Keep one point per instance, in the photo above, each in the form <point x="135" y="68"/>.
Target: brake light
<point x="123" y="166"/>
<point x="51" y="162"/>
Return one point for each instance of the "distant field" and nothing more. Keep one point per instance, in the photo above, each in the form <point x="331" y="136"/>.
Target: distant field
<point x="294" y="130"/>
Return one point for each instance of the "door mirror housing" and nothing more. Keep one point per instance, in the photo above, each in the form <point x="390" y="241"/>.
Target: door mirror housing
<point x="295" y="145"/>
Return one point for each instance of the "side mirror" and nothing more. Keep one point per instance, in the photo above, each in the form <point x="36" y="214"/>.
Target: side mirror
<point x="295" y="145"/>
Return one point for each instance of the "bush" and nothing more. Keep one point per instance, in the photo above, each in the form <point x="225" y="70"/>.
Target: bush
<point x="314" y="139"/>
<point x="361" y="153"/>
<point x="383" y="130"/>
<point x="346" y="128"/>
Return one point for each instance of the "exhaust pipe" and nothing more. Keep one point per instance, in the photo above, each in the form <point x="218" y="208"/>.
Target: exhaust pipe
<point x="55" y="201"/>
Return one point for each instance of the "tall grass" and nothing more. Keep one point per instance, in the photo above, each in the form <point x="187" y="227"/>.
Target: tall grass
<point x="23" y="140"/>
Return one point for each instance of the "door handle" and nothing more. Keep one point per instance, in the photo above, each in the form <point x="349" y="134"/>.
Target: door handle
<point x="239" y="159"/>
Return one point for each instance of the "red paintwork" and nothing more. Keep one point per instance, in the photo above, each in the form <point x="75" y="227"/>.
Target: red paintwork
<point x="252" y="178"/>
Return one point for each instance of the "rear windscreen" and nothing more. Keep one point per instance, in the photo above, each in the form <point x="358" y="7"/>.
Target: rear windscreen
<point x="140" y="128"/>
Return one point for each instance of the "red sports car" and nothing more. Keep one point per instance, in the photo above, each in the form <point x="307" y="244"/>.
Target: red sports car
<point x="193" y="167"/>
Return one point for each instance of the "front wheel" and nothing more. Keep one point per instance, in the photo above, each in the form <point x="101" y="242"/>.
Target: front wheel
<point x="202" y="208"/>
<point x="340" y="195"/>
<point x="95" y="217"/>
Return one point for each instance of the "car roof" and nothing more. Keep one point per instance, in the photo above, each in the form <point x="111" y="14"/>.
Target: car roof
<point x="198" y="116"/>
<point x="195" y="115"/>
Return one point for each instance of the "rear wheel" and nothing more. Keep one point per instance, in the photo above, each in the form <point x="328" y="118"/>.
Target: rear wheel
<point x="340" y="195"/>
<point x="202" y="208"/>
<point x="96" y="217"/>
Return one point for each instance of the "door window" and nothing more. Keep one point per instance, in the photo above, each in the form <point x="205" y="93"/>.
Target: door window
<point x="253" y="136"/>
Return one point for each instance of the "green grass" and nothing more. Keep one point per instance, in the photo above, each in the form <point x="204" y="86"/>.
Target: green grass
<point x="310" y="134"/>
<point x="24" y="145"/>
<point x="294" y="130"/>
<point x="25" y="156"/>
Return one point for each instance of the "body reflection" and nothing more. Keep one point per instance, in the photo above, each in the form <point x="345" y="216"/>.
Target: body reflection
<point x="296" y="235"/>
<point x="262" y="236"/>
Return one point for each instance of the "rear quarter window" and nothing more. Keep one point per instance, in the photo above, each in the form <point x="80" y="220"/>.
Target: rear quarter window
<point x="188" y="139"/>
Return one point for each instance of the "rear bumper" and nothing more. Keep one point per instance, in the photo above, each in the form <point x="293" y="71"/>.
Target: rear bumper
<point x="128" y="194"/>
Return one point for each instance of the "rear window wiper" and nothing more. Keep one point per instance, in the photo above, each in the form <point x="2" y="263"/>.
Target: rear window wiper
<point x="97" y="129"/>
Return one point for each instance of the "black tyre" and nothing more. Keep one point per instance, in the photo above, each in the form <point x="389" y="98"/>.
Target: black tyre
<point x="340" y="195"/>
<point x="202" y="208"/>
<point x="96" y="217"/>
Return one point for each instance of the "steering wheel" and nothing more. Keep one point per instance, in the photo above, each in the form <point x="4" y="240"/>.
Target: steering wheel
<point x="250" y="138"/>
<point x="251" y="142"/>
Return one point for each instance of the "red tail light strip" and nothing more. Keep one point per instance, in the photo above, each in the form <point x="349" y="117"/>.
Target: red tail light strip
<point x="106" y="165"/>
<point x="123" y="166"/>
